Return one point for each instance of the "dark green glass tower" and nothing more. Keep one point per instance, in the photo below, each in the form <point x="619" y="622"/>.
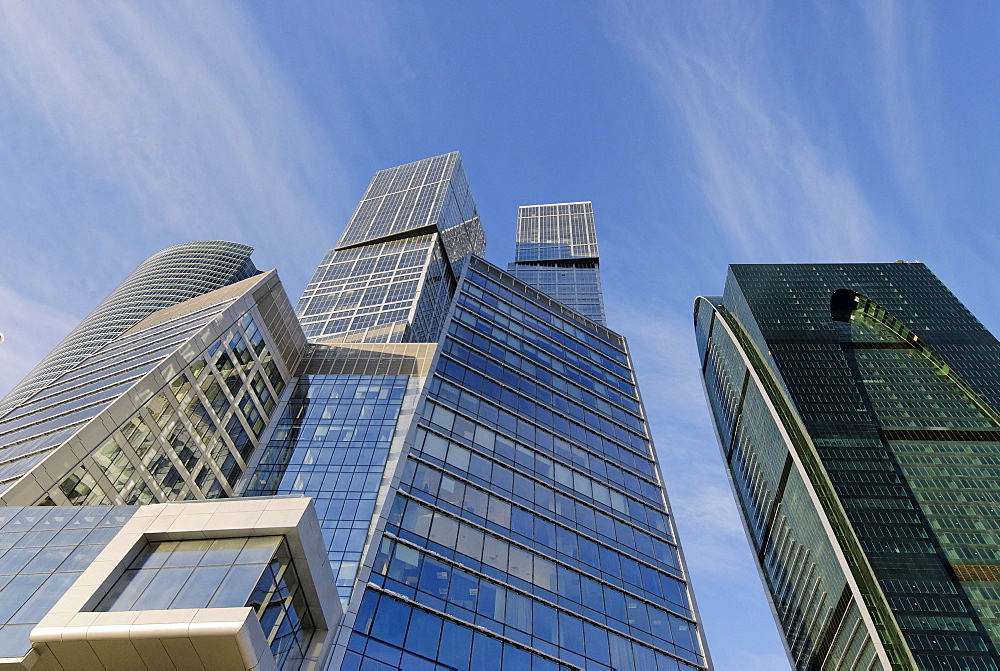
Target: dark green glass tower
<point x="857" y="410"/>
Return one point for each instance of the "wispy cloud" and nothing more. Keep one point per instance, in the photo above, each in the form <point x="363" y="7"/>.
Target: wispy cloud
<point x="131" y="126"/>
<point x="899" y="48"/>
<point x="23" y="318"/>
<point x="666" y="363"/>
<point x="175" y="104"/>
<point x="733" y="86"/>
<point x="775" y="187"/>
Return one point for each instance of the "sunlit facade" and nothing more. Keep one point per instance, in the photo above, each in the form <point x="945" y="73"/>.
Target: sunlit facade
<point x="458" y="461"/>
<point x="856" y="406"/>
<point x="391" y="277"/>
<point x="166" y="278"/>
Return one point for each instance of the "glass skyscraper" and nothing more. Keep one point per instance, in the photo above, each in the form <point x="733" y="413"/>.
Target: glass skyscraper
<point x="393" y="274"/>
<point x="472" y="452"/>
<point x="556" y="252"/>
<point x="857" y="410"/>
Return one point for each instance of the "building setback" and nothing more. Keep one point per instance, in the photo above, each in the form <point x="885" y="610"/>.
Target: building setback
<point x="856" y="407"/>
<point x="479" y="471"/>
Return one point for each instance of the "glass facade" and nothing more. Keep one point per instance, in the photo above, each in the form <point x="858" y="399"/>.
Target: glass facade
<point x="39" y="425"/>
<point x="393" y="274"/>
<point x="475" y="448"/>
<point x="856" y="406"/>
<point x="499" y="502"/>
<point x="173" y="409"/>
<point x="193" y="438"/>
<point x="331" y="443"/>
<point x="42" y="552"/>
<point x="529" y="523"/>
<point x="556" y="252"/>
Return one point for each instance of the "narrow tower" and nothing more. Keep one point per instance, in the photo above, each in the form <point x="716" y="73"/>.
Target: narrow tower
<point x="556" y="252"/>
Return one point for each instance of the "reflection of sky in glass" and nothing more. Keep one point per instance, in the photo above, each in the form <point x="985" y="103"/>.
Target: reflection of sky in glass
<point x="222" y="573"/>
<point x="331" y="443"/>
<point x="47" y="549"/>
<point x="202" y="573"/>
<point x="529" y="529"/>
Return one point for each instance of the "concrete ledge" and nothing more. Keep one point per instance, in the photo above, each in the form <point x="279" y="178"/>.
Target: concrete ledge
<point x="72" y="635"/>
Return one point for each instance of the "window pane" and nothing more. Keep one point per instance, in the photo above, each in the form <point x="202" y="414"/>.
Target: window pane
<point x="162" y="589"/>
<point x="188" y="553"/>
<point x="223" y="551"/>
<point x="124" y="592"/>
<point x="237" y="586"/>
<point x="425" y="630"/>
<point x="198" y="590"/>
<point x="258" y="550"/>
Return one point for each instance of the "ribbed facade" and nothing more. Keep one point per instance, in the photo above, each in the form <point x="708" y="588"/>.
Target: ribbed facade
<point x="170" y="276"/>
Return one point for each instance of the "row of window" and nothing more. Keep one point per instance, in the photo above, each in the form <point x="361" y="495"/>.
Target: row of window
<point x="625" y="533"/>
<point x="490" y="552"/>
<point x="563" y="359"/>
<point x="390" y="634"/>
<point x="366" y="278"/>
<point x="517" y="453"/>
<point x="45" y="551"/>
<point x="570" y="390"/>
<point x="504" y="608"/>
<point x="369" y="251"/>
<point x="551" y="325"/>
<point x="379" y="216"/>
<point x="427" y="636"/>
<point x="536" y="424"/>
<point x="82" y="393"/>
<point x="533" y="459"/>
<point x="411" y="175"/>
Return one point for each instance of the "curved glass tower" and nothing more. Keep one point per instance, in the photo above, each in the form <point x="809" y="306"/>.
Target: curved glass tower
<point x="856" y="407"/>
<point x="168" y="277"/>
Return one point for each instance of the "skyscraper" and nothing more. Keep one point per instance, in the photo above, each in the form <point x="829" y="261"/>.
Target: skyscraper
<point x="556" y="252"/>
<point x="166" y="278"/>
<point x="475" y="455"/>
<point x="57" y="435"/>
<point x="394" y="272"/>
<point x="856" y="407"/>
<point x="492" y="495"/>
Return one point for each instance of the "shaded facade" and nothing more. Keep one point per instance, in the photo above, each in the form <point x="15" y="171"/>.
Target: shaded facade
<point x="856" y="407"/>
<point x="556" y="252"/>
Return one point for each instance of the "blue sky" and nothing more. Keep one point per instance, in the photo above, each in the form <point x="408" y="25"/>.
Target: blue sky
<point x="705" y="133"/>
